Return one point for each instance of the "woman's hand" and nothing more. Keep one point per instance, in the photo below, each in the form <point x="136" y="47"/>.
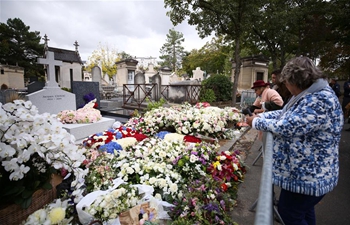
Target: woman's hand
<point x="249" y="119"/>
<point x="256" y="111"/>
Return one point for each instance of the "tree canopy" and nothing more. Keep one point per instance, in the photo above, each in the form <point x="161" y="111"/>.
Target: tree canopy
<point x="20" y="46"/>
<point x="212" y="58"/>
<point x="172" y="50"/>
<point x="230" y="19"/>
<point x="105" y="58"/>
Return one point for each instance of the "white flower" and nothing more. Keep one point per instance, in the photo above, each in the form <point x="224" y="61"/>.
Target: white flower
<point x="222" y="157"/>
<point x="6" y="150"/>
<point x="193" y="158"/>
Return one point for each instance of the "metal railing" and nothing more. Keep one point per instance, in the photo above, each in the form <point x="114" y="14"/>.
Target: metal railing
<point x="135" y="95"/>
<point x="265" y="210"/>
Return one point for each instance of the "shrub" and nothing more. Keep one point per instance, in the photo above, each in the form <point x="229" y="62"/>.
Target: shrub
<point x="154" y="105"/>
<point x="207" y="95"/>
<point x="221" y="85"/>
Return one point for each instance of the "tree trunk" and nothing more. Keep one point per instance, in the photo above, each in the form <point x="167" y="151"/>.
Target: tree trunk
<point x="237" y="70"/>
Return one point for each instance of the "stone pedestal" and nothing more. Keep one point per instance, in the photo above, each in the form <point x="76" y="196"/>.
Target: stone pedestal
<point x="83" y="130"/>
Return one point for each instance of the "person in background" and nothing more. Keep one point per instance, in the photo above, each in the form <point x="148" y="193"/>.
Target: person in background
<point x="306" y="134"/>
<point x="346" y="98"/>
<point x="280" y="87"/>
<point x="335" y="86"/>
<point x="267" y="98"/>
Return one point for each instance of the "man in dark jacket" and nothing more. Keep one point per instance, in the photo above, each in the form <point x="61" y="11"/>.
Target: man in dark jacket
<point x="335" y="86"/>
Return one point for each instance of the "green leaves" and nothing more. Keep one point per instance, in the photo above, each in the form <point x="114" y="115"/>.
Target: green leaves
<point x="21" y="46"/>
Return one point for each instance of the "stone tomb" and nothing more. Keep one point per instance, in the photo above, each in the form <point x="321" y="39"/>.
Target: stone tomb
<point x="51" y="99"/>
<point x="82" y="88"/>
<point x="83" y="130"/>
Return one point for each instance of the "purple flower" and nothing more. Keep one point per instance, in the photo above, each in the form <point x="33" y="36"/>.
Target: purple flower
<point x="211" y="207"/>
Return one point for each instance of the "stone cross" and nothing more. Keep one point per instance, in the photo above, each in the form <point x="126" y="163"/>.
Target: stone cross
<point x="51" y="63"/>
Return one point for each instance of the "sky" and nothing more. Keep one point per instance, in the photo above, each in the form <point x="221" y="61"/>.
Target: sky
<point x="137" y="27"/>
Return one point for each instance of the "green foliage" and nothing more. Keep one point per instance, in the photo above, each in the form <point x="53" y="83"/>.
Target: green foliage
<point x="20" y="192"/>
<point x="154" y="105"/>
<point x="207" y="95"/>
<point x="20" y="46"/>
<point x="172" y="51"/>
<point x="212" y="57"/>
<point x="221" y="85"/>
<point x="66" y="89"/>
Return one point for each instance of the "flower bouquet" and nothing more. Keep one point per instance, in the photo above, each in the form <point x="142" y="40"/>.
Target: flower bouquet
<point x="32" y="147"/>
<point x="203" y="202"/>
<point x="57" y="212"/>
<point x="87" y="114"/>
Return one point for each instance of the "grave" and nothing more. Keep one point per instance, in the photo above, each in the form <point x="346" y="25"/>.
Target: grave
<point x="83" y="130"/>
<point x="82" y="88"/>
<point x="198" y="74"/>
<point x="51" y="99"/>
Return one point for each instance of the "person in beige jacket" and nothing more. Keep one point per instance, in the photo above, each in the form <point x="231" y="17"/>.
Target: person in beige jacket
<point x="267" y="99"/>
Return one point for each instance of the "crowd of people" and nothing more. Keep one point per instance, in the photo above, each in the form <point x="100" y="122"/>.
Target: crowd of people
<point x="304" y="115"/>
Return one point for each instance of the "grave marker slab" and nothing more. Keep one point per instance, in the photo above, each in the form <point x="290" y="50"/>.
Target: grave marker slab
<point x="52" y="99"/>
<point x="82" y="88"/>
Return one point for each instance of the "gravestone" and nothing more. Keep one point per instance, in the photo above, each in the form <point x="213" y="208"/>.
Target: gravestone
<point x="198" y="74"/>
<point x="157" y="90"/>
<point x="139" y="93"/>
<point x="82" y="88"/>
<point x="178" y="90"/>
<point x="35" y="86"/>
<point x="174" y="78"/>
<point x="51" y="99"/>
<point x="2" y="97"/>
<point x="96" y="76"/>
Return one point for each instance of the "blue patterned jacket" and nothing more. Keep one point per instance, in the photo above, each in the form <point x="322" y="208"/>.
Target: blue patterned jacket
<point x="306" y="143"/>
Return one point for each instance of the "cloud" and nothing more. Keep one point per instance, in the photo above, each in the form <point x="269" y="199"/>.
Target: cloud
<point x="137" y="27"/>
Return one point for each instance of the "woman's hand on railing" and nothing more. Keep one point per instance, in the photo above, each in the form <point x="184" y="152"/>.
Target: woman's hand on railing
<point x="249" y="119"/>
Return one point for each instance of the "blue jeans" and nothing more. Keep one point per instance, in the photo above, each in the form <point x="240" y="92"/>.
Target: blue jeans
<point x="297" y="209"/>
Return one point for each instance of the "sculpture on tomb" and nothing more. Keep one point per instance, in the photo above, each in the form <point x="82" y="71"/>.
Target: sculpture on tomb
<point x="87" y="114"/>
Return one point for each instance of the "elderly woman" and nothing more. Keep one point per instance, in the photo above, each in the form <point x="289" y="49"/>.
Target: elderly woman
<point x="306" y="140"/>
<point x="267" y="98"/>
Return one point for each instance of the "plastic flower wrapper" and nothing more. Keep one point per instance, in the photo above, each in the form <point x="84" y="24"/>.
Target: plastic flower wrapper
<point x="32" y="146"/>
<point x="107" y="205"/>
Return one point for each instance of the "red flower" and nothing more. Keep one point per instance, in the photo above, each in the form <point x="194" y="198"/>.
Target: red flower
<point x="224" y="187"/>
<point x="140" y="137"/>
<point x="189" y="138"/>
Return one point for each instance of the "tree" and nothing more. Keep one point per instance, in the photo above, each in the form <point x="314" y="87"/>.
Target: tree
<point x="230" y="19"/>
<point x="172" y="51"/>
<point x="21" y="47"/>
<point x="336" y="59"/>
<point x="212" y="58"/>
<point x="105" y="58"/>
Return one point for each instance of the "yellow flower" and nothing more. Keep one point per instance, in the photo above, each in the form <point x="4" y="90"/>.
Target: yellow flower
<point x="57" y="214"/>
<point x="216" y="164"/>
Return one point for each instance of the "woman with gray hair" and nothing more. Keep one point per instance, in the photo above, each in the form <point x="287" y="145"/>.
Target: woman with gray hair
<point x="306" y="136"/>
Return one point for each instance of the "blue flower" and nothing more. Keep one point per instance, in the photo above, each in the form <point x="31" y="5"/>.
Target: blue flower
<point x="110" y="147"/>
<point x="162" y="134"/>
<point x="118" y="135"/>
